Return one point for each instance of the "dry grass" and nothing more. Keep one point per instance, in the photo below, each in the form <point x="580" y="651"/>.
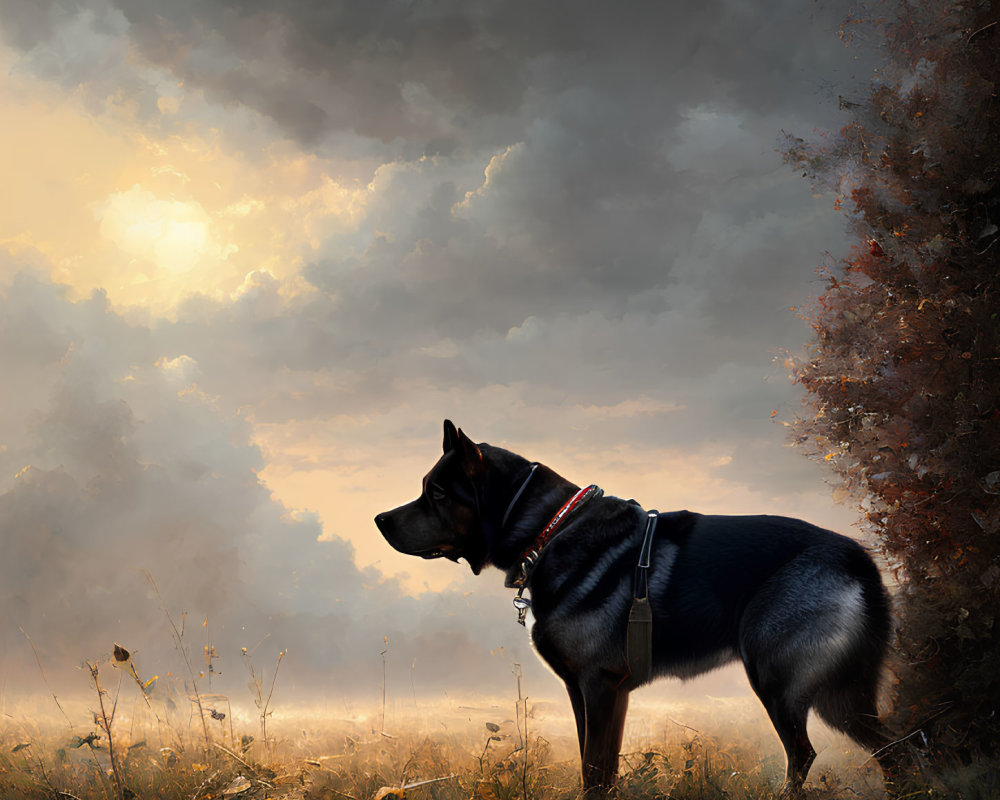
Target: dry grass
<point x="134" y="737"/>
<point x="436" y="751"/>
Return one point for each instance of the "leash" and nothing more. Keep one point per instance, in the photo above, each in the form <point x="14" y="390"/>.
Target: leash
<point x="530" y="556"/>
<point x="639" y="638"/>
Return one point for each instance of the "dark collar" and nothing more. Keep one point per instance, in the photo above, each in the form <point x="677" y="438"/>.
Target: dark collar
<point x="528" y="558"/>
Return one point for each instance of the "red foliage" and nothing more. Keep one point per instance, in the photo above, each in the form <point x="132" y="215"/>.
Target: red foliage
<point x="903" y="374"/>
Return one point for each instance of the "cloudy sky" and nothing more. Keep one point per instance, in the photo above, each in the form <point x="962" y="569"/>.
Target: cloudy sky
<point x="252" y="254"/>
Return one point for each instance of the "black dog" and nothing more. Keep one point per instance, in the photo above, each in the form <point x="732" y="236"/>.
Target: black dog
<point x="802" y="607"/>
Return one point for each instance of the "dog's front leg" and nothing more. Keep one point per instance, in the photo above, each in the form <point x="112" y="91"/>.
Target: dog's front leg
<point x="579" y="713"/>
<point x="604" y="709"/>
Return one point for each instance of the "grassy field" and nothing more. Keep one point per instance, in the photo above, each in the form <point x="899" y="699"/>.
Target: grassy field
<point x="174" y="744"/>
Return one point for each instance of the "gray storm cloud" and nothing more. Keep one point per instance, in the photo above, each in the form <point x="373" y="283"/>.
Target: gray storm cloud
<point x="456" y="76"/>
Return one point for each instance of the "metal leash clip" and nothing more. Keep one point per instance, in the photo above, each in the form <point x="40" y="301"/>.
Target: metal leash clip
<point x="522" y="604"/>
<point x="526" y="565"/>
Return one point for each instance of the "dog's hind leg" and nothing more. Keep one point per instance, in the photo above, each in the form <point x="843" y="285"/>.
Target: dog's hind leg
<point x="788" y="715"/>
<point x="793" y="633"/>
<point x="787" y="703"/>
<point x="814" y="635"/>
<point x="605" y="705"/>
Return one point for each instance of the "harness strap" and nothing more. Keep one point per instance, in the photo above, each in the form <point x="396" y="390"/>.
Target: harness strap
<point x="639" y="638"/>
<point x="641" y="586"/>
<point x="517" y="496"/>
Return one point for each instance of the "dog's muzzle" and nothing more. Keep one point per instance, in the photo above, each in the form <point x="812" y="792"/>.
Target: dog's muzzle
<point x="390" y="530"/>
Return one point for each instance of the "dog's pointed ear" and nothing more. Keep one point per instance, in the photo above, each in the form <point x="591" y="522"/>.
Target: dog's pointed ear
<point x="472" y="457"/>
<point x="450" y="436"/>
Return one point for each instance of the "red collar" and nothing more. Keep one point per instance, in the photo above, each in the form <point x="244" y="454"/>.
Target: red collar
<point x="530" y="556"/>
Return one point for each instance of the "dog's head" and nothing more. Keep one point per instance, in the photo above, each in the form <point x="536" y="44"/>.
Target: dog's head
<point x="444" y="522"/>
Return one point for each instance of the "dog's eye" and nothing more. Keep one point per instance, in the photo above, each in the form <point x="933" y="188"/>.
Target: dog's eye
<point x="437" y="493"/>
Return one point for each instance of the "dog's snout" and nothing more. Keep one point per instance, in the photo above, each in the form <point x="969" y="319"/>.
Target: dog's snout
<point x="380" y="521"/>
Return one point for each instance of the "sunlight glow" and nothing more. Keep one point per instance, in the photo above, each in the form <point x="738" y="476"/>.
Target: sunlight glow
<point x="174" y="234"/>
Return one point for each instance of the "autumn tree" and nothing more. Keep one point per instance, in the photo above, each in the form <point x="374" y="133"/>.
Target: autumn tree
<point x="903" y="371"/>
